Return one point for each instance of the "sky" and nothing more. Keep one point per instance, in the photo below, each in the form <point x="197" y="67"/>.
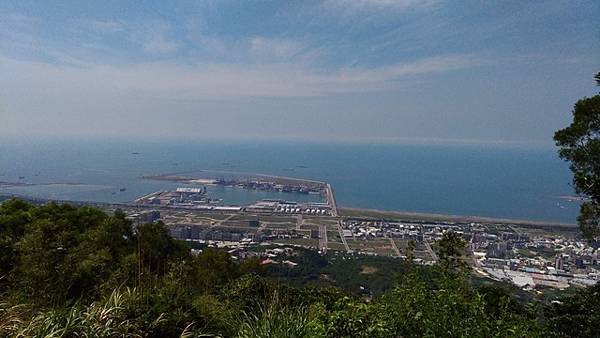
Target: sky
<point x="331" y="70"/>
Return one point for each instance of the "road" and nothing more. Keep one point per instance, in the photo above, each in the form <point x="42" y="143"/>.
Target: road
<point x="323" y="238"/>
<point x="299" y="222"/>
<point x="514" y="229"/>
<point x="431" y="252"/>
<point x="216" y="224"/>
<point x="395" y="247"/>
<point x="331" y="200"/>
<point x="262" y="227"/>
<point x="342" y="236"/>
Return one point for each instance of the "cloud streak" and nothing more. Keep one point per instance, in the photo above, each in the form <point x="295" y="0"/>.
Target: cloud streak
<point x="353" y="68"/>
<point x="206" y="81"/>
<point x="395" y="4"/>
<point x="154" y="37"/>
<point x="353" y="7"/>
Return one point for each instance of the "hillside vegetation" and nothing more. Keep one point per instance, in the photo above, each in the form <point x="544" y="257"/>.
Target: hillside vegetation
<point x="79" y="272"/>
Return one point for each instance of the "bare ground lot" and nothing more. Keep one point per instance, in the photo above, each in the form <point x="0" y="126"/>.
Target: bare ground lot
<point x="379" y="246"/>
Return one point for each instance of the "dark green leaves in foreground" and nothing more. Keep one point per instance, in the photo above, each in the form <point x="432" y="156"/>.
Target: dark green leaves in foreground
<point x="78" y="272"/>
<point x="580" y="145"/>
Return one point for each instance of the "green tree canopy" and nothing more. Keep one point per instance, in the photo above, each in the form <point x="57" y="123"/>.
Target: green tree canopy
<point x="580" y="145"/>
<point x="80" y="272"/>
<point x="451" y="251"/>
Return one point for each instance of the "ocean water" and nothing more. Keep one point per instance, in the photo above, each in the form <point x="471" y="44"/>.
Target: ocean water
<point x="492" y="181"/>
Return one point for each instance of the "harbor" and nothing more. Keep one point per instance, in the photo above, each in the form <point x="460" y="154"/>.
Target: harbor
<point x="195" y="195"/>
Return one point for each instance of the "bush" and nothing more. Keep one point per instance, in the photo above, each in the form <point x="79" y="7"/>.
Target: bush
<point x="81" y="272"/>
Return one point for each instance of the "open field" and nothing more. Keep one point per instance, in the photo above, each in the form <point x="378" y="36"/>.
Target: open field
<point x="321" y="220"/>
<point x="379" y="246"/>
<point x="336" y="246"/>
<point x="277" y="219"/>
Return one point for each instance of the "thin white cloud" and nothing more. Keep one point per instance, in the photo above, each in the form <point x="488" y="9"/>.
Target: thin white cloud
<point x="16" y="29"/>
<point x="351" y="6"/>
<point x="154" y="37"/>
<point x="19" y="20"/>
<point x="202" y="81"/>
<point x="267" y="48"/>
<point x="104" y="26"/>
<point x="381" y="3"/>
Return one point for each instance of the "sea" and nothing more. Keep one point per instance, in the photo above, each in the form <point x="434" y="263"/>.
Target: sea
<point x="500" y="181"/>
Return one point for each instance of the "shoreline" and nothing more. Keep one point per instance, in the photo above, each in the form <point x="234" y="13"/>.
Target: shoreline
<point x="366" y="212"/>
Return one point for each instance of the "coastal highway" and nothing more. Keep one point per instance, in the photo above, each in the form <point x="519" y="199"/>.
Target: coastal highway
<point x="331" y="200"/>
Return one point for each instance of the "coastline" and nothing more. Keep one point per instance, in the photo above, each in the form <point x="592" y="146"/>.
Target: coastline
<point x="363" y="212"/>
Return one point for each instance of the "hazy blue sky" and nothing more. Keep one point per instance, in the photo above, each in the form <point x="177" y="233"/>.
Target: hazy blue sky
<point x="385" y="70"/>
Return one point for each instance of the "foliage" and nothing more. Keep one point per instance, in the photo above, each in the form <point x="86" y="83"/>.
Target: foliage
<point x="449" y="309"/>
<point x="276" y="318"/>
<point x="450" y="252"/>
<point x="577" y="315"/>
<point x="110" y="317"/>
<point x="580" y="145"/>
<point x="14" y="215"/>
<point x="78" y="272"/>
<point x="310" y="264"/>
<point x="347" y="272"/>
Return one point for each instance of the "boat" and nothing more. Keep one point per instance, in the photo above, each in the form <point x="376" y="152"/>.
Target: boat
<point x="122" y="189"/>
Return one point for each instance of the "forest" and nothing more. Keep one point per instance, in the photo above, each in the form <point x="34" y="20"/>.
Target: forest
<point x="68" y="271"/>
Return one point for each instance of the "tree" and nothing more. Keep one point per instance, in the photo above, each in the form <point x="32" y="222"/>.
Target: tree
<point x="451" y="249"/>
<point x="66" y="251"/>
<point x="410" y="250"/>
<point x="580" y="145"/>
<point x="575" y="315"/>
<point x="156" y="248"/>
<point x="14" y="216"/>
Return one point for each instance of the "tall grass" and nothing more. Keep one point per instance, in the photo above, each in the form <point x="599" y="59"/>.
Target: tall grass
<point x="276" y="318"/>
<point x="106" y="318"/>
